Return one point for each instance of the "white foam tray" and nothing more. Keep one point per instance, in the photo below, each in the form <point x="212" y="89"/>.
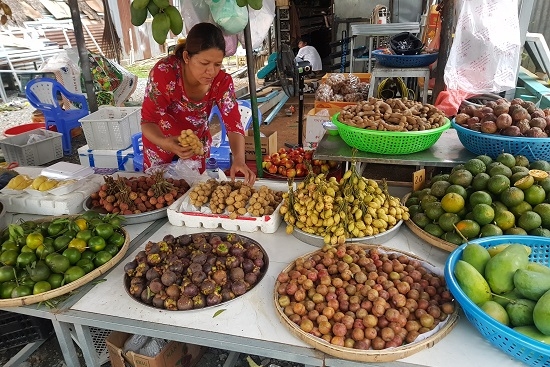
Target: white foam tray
<point x="266" y="223"/>
<point x="71" y="203"/>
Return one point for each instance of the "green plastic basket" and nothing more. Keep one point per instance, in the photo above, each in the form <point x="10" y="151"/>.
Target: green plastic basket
<point x="388" y="142"/>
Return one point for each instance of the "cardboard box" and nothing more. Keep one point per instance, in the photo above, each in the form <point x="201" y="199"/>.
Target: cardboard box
<point x="174" y="354"/>
<point x="313" y="130"/>
<point x="269" y="145"/>
<point x="122" y="159"/>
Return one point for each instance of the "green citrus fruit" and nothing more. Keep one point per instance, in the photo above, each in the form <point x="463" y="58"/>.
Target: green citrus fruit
<point x="485" y="159"/>
<point x="439" y="177"/>
<point x="117" y="239"/>
<point x="453" y="238"/>
<point x="457" y="167"/>
<point x="101" y="258"/>
<point x="439" y="187"/>
<point x="104" y="230"/>
<point x="468" y="228"/>
<point x="516" y="231"/>
<point x="41" y="287"/>
<point x="535" y="195"/>
<point x="507" y="159"/>
<point x="480" y="197"/>
<point x="21" y="291"/>
<point x="55" y="280"/>
<point x="434" y="229"/>
<point x="461" y="177"/>
<point x="541" y="232"/>
<point x="6" y="288"/>
<point x="543" y="209"/>
<point x="504" y="219"/>
<point x="500" y="169"/>
<point x="497" y="184"/>
<point x="458" y="190"/>
<point x="73" y="273"/>
<point x="111" y="248"/>
<point x="475" y="166"/>
<point x="9" y="257"/>
<point x="7" y="273"/>
<point x="61" y="242"/>
<point x="529" y="220"/>
<point x="483" y="214"/>
<point x="25" y="258"/>
<point x="421" y="219"/>
<point x="521" y="208"/>
<point x="85" y="234"/>
<point x="452" y="202"/>
<point x="489" y="230"/>
<point x="40" y="271"/>
<point x="522" y="161"/>
<point x="525" y="182"/>
<point x="59" y="264"/>
<point x="413" y="209"/>
<point x="480" y="181"/>
<point x="540" y="164"/>
<point x="72" y="254"/>
<point x="512" y="196"/>
<point x="34" y="240"/>
<point x="86" y="264"/>
<point x="96" y="243"/>
<point x="433" y="210"/>
<point x="447" y="221"/>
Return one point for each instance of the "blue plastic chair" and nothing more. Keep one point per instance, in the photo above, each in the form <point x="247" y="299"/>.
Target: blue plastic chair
<point x="137" y="145"/>
<point x="43" y="94"/>
<point x="222" y="151"/>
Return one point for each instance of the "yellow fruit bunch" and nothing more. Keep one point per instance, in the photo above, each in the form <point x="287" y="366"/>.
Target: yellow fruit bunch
<point x="43" y="183"/>
<point x="188" y="138"/>
<point x="254" y="4"/>
<point x="19" y="182"/>
<point x="166" y="17"/>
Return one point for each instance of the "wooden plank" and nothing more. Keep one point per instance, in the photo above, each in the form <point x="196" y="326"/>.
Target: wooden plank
<point x="95" y="5"/>
<point x="59" y="10"/>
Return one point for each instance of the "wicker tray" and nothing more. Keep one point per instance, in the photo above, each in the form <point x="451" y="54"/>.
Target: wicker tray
<point x="28" y="300"/>
<point x="385" y="355"/>
<point x="432" y="240"/>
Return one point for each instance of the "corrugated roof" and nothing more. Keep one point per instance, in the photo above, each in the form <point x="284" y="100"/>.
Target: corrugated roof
<point x="36" y="9"/>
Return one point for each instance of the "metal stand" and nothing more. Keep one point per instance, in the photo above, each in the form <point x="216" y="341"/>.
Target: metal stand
<point x="302" y="68"/>
<point x="380" y="71"/>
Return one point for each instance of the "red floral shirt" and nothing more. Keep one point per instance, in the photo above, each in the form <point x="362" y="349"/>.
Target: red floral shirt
<point x="167" y="105"/>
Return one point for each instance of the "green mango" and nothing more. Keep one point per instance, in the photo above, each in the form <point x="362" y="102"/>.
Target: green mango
<point x="255" y="4"/>
<point x="176" y="21"/>
<point x="534" y="333"/>
<point x="163" y="4"/>
<point x="137" y="16"/>
<point x="520" y="312"/>
<point x="242" y="3"/>
<point x="538" y="267"/>
<point x="140" y="4"/>
<point x="505" y="298"/>
<point x="531" y="284"/>
<point x="472" y="283"/>
<point x="153" y="8"/>
<point x="500" y="269"/>
<point x="477" y="256"/>
<point x="541" y="314"/>
<point x="496" y="311"/>
<point x="160" y="27"/>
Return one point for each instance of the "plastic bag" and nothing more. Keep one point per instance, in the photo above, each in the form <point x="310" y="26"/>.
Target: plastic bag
<point x="486" y="48"/>
<point x="187" y="169"/>
<point x="135" y="342"/>
<point x="195" y="11"/>
<point x="262" y="20"/>
<point x="228" y="15"/>
<point x="231" y="43"/>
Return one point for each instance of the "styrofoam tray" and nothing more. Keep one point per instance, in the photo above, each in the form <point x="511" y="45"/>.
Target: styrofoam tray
<point x="66" y="170"/>
<point x="266" y="223"/>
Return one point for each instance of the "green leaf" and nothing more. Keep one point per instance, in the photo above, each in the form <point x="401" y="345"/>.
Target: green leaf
<point x="218" y="312"/>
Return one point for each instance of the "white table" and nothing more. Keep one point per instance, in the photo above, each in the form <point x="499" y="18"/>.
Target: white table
<point x="250" y="323"/>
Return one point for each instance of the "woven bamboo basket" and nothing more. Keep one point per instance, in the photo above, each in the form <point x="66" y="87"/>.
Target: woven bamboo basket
<point x="432" y="240"/>
<point x="371" y="355"/>
<point x="28" y="300"/>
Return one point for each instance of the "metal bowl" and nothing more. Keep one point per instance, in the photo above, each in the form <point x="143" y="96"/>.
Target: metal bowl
<point x="223" y="235"/>
<point x="318" y="241"/>
<point x="131" y="218"/>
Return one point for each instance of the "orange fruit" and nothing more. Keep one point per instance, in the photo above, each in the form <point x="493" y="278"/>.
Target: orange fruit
<point x="452" y="202"/>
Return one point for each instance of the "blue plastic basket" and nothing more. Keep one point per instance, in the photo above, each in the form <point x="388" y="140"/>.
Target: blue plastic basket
<point x="519" y="346"/>
<point x="404" y="61"/>
<point x="493" y="144"/>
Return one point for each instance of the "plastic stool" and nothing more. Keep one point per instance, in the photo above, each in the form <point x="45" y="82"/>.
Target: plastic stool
<point x="138" y="152"/>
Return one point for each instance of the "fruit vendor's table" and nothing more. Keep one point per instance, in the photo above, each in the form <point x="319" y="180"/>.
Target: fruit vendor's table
<point x="250" y="323"/>
<point x="448" y="151"/>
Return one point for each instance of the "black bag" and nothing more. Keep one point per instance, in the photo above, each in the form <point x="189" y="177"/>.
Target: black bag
<point x="406" y="44"/>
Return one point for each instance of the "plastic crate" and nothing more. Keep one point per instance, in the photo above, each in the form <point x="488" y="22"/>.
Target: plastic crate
<point x="519" y="346"/>
<point x="17" y="330"/>
<point x="18" y="149"/>
<point x="111" y="128"/>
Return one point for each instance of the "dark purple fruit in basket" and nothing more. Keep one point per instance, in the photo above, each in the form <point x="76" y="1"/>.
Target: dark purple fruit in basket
<point x="248" y="265"/>
<point x="141" y="269"/>
<point x="232" y="262"/>
<point x="182" y="252"/>
<point x="208" y="286"/>
<point x="237" y="249"/>
<point x="170" y="258"/>
<point x="220" y="277"/>
<point x="190" y="289"/>
<point x="239" y="287"/>
<point x="152" y="273"/>
<point x="232" y="238"/>
<point x="147" y="296"/>
<point x="153" y="259"/>
<point x="236" y="274"/>
<point x="141" y="257"/>
<point x="204" y="247"/>
<point x="512" y="131"/>
<point x="170" y="304"/>
<point x="211" y="259"/>
<point x="185" y="262"/>
<point x="198" y="277"/>
<point x="152" y="248"/>
<point x="156" y="286"/>
<point x="221" y="249"/>
<point x="130" y="268"/>
<point x="194" y="268"/>
<point x="158" y="301"/>
<point x="183" y="240"/>
<point x="185" y="303"/>
<point x="504" y="121"/>
<point x="227" y="294"/>
<point x="259" y="263"/>
<point x="207" y="268"/>
<point x="176" y="267"/>
<point x="220" y="262"/>
<point x="173" y="291"/>
<point x="168" y="278"/>
<point x="199" y="257"/>
<point x="539" y="122"/>
<point x="522" y="125"/>
<point x="136" y="289"/>
<point x="213" y="299"/>
<point x="251" y="278"/>
<point x="199" y="301"/>
<point x="136" y="281"/>
<point x="215" y="240"/>
<point x="253" y="252"/>
<point x="169" y="239"/>
<point x="198" y="238"/>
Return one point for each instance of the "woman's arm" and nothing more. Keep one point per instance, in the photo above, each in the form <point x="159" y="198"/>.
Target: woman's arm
<point x="167" y="143"/>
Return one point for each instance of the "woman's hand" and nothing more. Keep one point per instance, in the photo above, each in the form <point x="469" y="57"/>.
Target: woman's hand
<point x="172" y="145"/>
<point x="249" y="176"/>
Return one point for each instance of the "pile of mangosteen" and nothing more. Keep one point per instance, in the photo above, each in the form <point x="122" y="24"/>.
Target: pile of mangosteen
<point x="193" y="271"/>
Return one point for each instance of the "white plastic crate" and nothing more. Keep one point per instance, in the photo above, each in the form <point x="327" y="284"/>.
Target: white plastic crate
<point x="111" y="128"/>
<point x="18" y="149"/>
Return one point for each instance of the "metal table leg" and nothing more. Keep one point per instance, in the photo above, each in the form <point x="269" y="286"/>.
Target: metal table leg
<point x="24" y="354"/>
<point x="66" y="343"/>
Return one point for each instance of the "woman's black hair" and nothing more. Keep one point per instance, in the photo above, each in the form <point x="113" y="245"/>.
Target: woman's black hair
<point x="202" y="36"/>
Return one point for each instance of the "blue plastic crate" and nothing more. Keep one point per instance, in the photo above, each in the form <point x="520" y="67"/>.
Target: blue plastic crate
<point x="519" y="346"/>
<point x="404" y="61"/>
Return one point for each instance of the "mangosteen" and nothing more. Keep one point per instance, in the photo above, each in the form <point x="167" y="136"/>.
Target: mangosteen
<point x="199" y="257"/>
<point x="227" y="294"/>
<point x="215" y="240"/>
<point x="181" y="252"/>
<point x="147" y="296"/>
<point x="158" y="301"/>
<point x="237" y="250"/>
<point x="236" y="274"/>
<point x="259" y="262"/>
<point x="156" y="286"/>
<point x="168" y="239"/>
<point x="191" y="290"/>
<point x="251" y="278"/>
<point x="239" y="287"/>
<point x="152" y="273"/>
<point x="248" y="265"/>
<point x="221" y="249"/>
<point x="141" y="257"/>
<point x="183" y="240"/>
<point x="152" y="248"/>
<point x="204" y="247"/>
<point x="253" y="252"/>
<point x="208" y="286"/>
<point x="185" y="262"/>
<point x="213" y="299"/>
<point x="176" y="266"/>
<point x="198" y="238"/>
<point x="198" y="277"/>
<point x="211" y="259"/>
<point x="136" y="281"/>
<point x="232" y="237"/>
<point x="199" y="301"/>
<point x="232" y="262"/>
<point x="194" y="268"/>
<point x="220" y="277"/>
<point x="173" y="291"/>
<point x="170" y="258"/>
<point x="170" y="304"/>
<point x="141" y="269"/>
<point x="168" y="278"/>
<point x="130" y="268"/>
<point x="153" y="259"/>
<point x="207" y="268"/>
<point x="164" y="247"/>
<point x="136" y="289"/>
<point x="220" y="262"/>
<point x="185" y="303"/>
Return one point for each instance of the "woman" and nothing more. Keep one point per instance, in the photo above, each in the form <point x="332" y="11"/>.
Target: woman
<point x="180" y="93"/>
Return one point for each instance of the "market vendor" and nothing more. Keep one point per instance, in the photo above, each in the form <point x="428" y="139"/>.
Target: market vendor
<point x="180" y="93"/>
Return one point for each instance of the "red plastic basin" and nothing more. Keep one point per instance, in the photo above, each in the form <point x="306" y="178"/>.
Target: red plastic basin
<point x="16" y="130"/>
